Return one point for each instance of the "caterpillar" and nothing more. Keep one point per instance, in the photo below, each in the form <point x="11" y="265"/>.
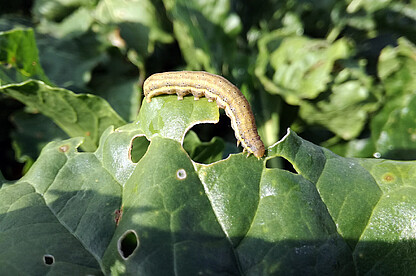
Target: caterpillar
<point x="213" y="87"/>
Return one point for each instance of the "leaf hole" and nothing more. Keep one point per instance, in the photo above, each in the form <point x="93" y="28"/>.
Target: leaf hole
<point x="48" y="259"/>
<point x="207" y="143"/>
<point x="138" y="148"/>
<point x="388" y="177"/>
<point x="64" y="148"/>
<point x="127" y="244"/>
<point x="280" y="163"/>
<point x="181" y="174"/>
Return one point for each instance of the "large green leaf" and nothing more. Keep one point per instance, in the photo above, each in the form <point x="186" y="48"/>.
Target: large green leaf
<point x="161" y="213"/>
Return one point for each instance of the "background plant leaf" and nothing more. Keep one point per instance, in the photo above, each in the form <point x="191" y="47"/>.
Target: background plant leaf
<point x="33" y="132"/>
<point x="205" y="31"/>
<point x="78" y="115"/>
<point x="397" y="68"/>
<point x="203" y="152"/>
<point x="19" y="57"/>
<point x="304" y="65"/>
<point x="138" y="22"/>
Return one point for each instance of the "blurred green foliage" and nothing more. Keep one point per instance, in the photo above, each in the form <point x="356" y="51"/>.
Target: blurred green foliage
<point x="341" y="74"/>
